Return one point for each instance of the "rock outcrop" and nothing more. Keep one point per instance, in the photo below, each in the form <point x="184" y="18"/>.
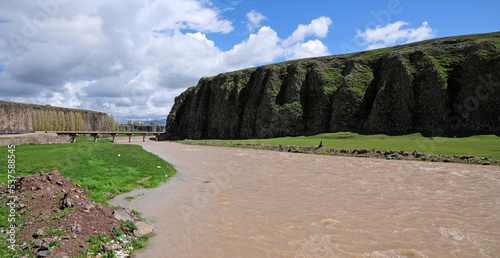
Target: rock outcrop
<point x="442" y="85"/>
<point x="20" y="117"/>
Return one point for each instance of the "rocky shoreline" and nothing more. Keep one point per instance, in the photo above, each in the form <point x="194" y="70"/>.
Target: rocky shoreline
<point x="364" y="153"/>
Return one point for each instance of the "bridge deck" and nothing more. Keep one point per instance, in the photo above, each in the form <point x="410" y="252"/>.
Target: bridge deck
<point x="73" y="134"/>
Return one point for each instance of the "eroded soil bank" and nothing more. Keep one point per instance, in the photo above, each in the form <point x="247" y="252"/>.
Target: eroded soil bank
<point x="228" y="202"/>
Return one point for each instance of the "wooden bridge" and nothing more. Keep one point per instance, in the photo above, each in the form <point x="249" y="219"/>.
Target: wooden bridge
<point x="113" y="134"/>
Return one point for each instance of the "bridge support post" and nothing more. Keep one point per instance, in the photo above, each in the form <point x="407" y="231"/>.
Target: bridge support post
<point x="95" y="136"/>
<point x="73" y="137"/>
<point x="114" y="137"/>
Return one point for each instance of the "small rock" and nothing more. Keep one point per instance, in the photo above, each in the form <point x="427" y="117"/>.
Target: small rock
<point x="39" y="233"/>
<point x="44" y="253"/>
<point x="104" y="248"/>
<point x="125" y="215"/>
<point x="143" y="228"/>
<point x="68" y="203"/>
<point x="76" y="228"/>
<point x="88" y="207"/>
<point x="37" y="244"/>
<point x="109" y="194"/>
<point x="486" y="163"/>
<point x="60" y="182"/>
<point x="44" y="247"/>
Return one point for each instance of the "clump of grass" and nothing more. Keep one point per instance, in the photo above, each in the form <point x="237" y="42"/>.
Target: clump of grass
<point x="137" y="214"/>
<point x="62" y="213"/>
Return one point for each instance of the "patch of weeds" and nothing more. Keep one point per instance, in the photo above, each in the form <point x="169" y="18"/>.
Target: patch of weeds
<point x="130" y="198"/>
<point x="53" y="231"/>
<point x="117" y="231"/>
<point x="128" y="226"/>
<point x="137" y="214"/>
<point x="359" y="79"/>
<point x="138" y="242"/>
<point x="55" y="244"/>
<point x="62" y="213"/>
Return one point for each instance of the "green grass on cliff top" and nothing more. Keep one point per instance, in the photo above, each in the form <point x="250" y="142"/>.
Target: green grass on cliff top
<point x="480" y="145"/>
<point x="95" y="166"/>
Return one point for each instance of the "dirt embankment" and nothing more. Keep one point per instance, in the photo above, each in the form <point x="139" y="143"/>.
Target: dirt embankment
<point x="55" y="218"/>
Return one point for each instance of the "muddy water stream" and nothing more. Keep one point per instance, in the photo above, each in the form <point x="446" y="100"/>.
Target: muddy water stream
<point x="228" y="202"/>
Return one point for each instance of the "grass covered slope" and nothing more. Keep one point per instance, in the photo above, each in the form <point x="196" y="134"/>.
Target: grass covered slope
<point x="436" y="86"/>
<point x="99" y="167"/>
<point x="480" y="146"/>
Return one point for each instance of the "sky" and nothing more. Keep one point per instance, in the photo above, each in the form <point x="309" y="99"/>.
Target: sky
<point x="131" y="58"/>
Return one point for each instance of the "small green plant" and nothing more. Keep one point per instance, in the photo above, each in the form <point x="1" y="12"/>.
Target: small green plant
<point x="55" y="244"/>
<point x="62" y="213"/>
<point x="137" y="214"/>
<point x="53" y="231"/>
<point x="128" y="226"/>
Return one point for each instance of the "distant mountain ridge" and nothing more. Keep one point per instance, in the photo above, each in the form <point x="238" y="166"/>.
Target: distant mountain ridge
<point x="447" y="84"/>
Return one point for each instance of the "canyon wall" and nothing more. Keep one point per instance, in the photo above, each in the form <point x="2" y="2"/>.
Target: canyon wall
<point x="437" y="86"/>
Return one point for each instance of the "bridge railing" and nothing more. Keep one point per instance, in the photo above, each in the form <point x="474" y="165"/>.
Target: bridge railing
<point x="95" y="134"/>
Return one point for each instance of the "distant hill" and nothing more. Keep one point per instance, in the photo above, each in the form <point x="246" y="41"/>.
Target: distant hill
<point x="20" y="117"/>
<point x="447" y="84"/>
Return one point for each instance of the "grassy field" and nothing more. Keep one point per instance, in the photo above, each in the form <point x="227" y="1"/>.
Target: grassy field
<point x="99" y="167"/>
<point x="481" y="145"/>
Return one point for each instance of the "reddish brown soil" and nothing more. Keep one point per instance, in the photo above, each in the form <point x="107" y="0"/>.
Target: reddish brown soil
<point x="42" y="198"/>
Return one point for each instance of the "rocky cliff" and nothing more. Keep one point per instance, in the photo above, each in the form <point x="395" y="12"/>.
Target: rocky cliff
<point x="19" y="117"/>
<point x="441" y="85"/>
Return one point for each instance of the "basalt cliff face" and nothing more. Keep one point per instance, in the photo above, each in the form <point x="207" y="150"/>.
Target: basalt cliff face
<point x="442" y="85"/>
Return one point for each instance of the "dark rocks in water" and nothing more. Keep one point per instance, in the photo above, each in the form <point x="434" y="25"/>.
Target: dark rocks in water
<point x="431" y="86"/>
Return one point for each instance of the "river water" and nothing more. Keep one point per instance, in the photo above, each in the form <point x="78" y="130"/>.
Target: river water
<point x="228" y="202"/>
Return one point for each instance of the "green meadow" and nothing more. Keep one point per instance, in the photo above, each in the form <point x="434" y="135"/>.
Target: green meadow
<point x="99" y="167"/>
<point x="479" y="145"/>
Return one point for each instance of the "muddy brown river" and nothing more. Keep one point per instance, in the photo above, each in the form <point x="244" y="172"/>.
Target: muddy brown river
<point x="228" y="202"/>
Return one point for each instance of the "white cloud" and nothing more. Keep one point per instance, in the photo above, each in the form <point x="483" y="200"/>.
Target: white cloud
<point x="81" y="30"/>
<point x="318" y="27"/>
<point x="393" y="33"/>
<point x="311" y="48"/>
<point x="132" y="57"/>
<point x="254" y="20"/>
<point x="259" y="48"/>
